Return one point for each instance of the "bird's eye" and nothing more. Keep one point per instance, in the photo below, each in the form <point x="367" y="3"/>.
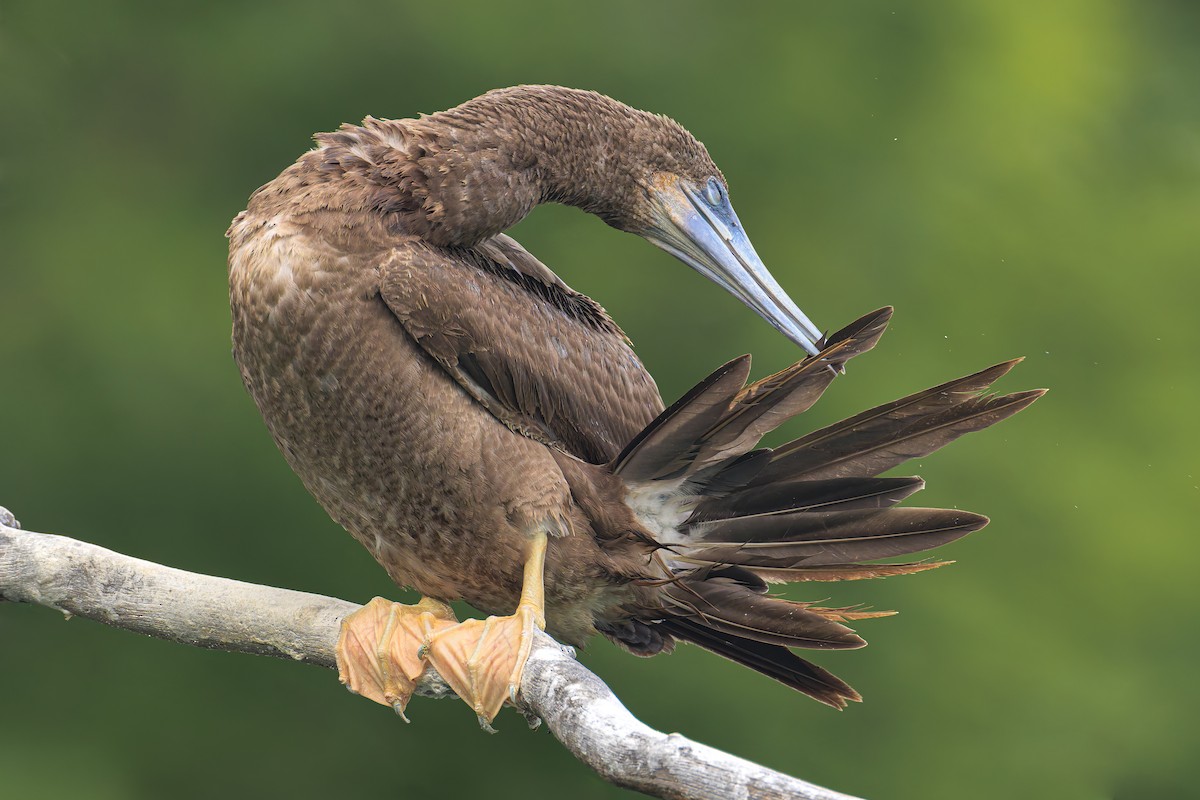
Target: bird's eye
<point x="714" y="193"/>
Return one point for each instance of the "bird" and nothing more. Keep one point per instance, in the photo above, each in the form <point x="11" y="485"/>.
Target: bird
<point x="489" y="435"/>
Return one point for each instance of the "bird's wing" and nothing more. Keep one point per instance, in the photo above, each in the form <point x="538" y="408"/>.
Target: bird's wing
<point x="547" y="361"/>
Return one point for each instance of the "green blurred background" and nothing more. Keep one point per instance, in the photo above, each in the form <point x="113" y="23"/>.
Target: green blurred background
<point x="1015" y="178"/>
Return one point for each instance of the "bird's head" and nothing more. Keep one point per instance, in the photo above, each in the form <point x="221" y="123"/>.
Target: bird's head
<point x="663" y="186"/>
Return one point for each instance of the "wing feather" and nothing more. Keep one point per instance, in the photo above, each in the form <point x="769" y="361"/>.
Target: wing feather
<point x="547" y="361"/>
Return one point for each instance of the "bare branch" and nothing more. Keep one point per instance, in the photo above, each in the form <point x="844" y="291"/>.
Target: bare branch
<point x="582" y="712"/>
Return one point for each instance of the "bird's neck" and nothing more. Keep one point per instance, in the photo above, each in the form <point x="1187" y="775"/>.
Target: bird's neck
<point x="463" y="175"/>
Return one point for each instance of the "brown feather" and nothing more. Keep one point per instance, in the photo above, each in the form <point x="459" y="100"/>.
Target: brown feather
<point x="842" y="572"/>
<point x="877" y="440"/>
<point x="837" y="494"/>
<point x="774" y="661"/>
<point x="668" y="444"/>
<point x="849" y="613"/>
<point x="446" y="303"/>
<point x="769" y="402"/>
<point x="733" y="609"/>
<point x="792" y="539"/>
<point x="720" y="419"/>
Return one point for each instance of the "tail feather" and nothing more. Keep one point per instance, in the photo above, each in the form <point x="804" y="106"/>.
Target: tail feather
<point x="669" y="442"/>
<point x="838" y="494"/>
<point x="738" y="611"/>
<point x="732" y="519"/>
<point x="792" y="539"/>
<point x="842" y="572"/>
<point x="881" y="438"/>
<point x="719" y="420"/>
<point x="767" y="403"/>
<point x="772" y="660"/>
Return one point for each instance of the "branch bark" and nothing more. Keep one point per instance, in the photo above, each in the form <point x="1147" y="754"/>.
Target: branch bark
<point x="218" y="613"/>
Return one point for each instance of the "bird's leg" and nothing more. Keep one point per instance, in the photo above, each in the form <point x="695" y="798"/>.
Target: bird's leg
<point x="379" y="649"/>
<point x="482" y="660"/>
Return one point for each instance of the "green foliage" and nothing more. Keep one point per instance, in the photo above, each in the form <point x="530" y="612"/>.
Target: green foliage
<point x="1014" y="178"/>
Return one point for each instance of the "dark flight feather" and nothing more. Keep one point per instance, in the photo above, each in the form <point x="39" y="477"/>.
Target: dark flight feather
<point x="883" y="437"/>
<point x="670" y="442"/>
<point x="734" y="609"/>
<point x="769" y="402"/>
<point x="721" y="418"/>
<point x="837" y="494"/>
<point x="803" y="538"/>
<point x="843" y="572"/>
<point x="774" y="661"/>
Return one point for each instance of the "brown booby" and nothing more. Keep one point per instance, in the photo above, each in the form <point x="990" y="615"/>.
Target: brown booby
<point x="488" y="434"/>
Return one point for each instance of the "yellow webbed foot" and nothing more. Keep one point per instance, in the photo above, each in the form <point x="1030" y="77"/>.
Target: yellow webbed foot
<point x="379" y="649"/>
<point x="384" y="646"/>
<point x="482" y="660"/>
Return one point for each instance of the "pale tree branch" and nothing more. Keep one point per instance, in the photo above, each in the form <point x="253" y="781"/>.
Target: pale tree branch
<point x="222" y="614"/>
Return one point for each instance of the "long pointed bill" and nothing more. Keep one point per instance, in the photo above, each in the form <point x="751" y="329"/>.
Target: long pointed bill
<point x="701" y="230"/>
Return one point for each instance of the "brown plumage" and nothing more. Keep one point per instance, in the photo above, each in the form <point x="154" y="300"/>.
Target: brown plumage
<point x="442" y="393"/>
